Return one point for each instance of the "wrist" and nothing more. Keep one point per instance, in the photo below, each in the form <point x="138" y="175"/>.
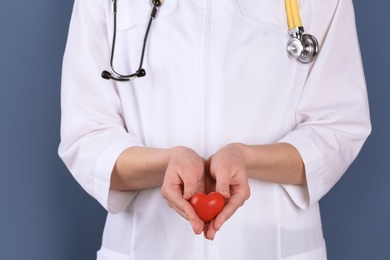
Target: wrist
<point x="248" y="154"/>
<point x="241" y="151"/>
<point x="176" y="151"/>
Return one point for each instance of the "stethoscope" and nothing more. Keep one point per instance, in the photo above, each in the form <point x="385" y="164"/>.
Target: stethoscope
<point x="302" y="47"/>
<point x="141" y="71"/>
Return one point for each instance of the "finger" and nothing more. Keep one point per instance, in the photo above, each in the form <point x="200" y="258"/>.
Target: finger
<point x="223" y="185"/>
<point x="209" y="181"/>
<point x="210" y="232"/>
<point x="180" y="212"/>
<point x="236" y="201"/>
<point x="192" y="182"/>
<point x="184" y="209"/>
<point x="176" y="202"/>
<point x="196" y="223"/>
<point x="173" y="195"/>
<point x="201" y="187"/>
<point x="206" y="225"/>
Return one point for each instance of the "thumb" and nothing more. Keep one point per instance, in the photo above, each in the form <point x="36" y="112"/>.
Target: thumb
<point x="191" y="184"/>
<point x="223" y="185"/>
<point x="190" y="188"/>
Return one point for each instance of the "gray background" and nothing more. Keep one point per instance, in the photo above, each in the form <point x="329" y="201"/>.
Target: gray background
<point x="44" y="213"/>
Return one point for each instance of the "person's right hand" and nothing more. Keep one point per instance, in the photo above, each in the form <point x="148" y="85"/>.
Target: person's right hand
<point x="183" y="178"/>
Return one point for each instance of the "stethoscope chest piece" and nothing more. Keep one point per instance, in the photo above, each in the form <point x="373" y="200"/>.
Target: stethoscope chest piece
<point x="294" y="48"/>
<point x="304" y="48"/>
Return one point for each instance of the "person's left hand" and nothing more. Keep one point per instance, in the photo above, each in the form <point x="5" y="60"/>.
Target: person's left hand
<point x="227" y="175"/>
<point x="184" y="177"/>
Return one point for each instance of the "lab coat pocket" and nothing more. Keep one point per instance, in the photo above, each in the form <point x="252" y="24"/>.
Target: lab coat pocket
<point x="133" y="12"/>
<point x="264" y="11"/>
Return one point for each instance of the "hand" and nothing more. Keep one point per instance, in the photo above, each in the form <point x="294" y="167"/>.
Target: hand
<point x="183" y="178"/>
<point x="227" y="176"/>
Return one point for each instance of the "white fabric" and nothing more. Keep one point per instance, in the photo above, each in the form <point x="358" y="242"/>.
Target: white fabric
<point x="217" y="73"/>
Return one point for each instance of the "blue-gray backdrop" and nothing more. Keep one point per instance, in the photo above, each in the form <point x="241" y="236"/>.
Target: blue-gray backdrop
<point x="44" y="214"/>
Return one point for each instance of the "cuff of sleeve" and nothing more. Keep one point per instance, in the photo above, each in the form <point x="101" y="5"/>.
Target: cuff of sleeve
<point x="112" y="200"/>
<point x="306" y="195"/>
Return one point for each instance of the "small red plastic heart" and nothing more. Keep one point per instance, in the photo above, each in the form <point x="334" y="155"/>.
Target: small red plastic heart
<point x="207" y="206"/>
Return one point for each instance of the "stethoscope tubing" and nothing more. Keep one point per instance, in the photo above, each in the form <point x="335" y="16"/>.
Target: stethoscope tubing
<point x="302" y="47"/>
<point x="140" y="72"/>
<point x="112" y="69"/>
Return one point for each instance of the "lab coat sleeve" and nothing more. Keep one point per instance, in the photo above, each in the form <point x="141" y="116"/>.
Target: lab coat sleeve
<point x="332" y="115"/>
<point x="93" y="133"/>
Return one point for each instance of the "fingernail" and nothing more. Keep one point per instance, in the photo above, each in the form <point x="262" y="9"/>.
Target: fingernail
<point x="187" y="196"/>
<point x="217" y="227"/>
<point x="198" y="230"/>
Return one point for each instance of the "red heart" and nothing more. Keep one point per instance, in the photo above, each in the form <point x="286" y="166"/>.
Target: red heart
<point x="207" y="206"/>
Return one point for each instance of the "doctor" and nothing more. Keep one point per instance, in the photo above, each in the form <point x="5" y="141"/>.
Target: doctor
<point x="222" y="107"/>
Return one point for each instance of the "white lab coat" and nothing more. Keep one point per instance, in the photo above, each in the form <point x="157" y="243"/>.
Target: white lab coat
<point x="217" y="73"/>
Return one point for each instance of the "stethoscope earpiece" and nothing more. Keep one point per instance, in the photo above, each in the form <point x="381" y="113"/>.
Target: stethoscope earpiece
<point x="138" y="74"/>
<point x="106" y="75"/>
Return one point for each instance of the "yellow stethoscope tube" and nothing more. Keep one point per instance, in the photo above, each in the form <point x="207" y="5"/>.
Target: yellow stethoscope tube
<point x="293" y="15"/>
